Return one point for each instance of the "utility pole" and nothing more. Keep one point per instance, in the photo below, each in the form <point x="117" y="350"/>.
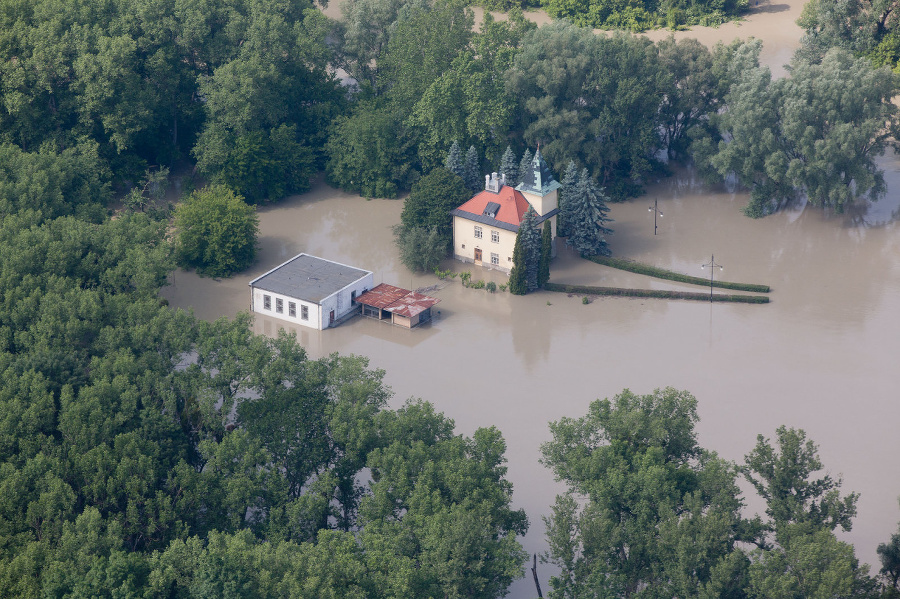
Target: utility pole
<point x="655" y="210"/>
<point x="712" y="270"/>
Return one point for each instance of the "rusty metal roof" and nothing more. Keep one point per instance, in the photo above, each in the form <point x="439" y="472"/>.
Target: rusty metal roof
<point x="381" y="296"/>
<point x="412" y="304"/>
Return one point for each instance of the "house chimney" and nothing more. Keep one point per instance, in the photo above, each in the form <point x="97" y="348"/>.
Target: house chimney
<point x="491" y="183"/>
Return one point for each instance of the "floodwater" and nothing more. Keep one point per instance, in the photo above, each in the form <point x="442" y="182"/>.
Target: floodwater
<point x="821" y="356"/>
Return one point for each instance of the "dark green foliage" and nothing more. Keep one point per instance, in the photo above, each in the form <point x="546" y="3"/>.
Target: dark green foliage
<point x="588" y="215"/>
<point x="216" y="232"/>
<point x="566" y="199"/>
<point x="431" y="200"/>
<point x="592" y="99"/>
<point x="510" y="167"/>
<point x="366" y="155"/>
<point x="453" y="162"/>
<point x="518" y="276"/>
<point x="531" y="247"/>
<point x="889" y="554"/>
<point x="661" y="273"/>
<point x="660" y="515"/>
<point x="425" y="232"/>
<point x="546" y="251"/>
<point x="472" y="170"/>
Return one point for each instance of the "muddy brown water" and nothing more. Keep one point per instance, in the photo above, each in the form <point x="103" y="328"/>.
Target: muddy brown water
<point x="821" y="356"/>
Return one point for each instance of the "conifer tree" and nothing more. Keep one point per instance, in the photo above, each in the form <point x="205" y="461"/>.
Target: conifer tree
<point x="510" y="167"/>
<point x="525" y="164"/>
<point x="518" y="283"/>
<point x="531" y="245"/>
<point x="569" y="182"/>
<point x="589" y="216"/>
<point x="546" y="251"/>
<point x="472" y="170"/>
<point x="454" y="161"/>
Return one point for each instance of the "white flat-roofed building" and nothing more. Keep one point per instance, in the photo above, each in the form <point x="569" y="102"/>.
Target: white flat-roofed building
<point x="309" y="291"/>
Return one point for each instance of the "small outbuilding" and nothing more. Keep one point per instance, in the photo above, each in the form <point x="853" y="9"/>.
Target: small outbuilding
<point x="309" y="291"/>
<point x="405" y="308"/>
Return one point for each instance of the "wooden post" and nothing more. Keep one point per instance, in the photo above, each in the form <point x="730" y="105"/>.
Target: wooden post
<point x="537" y="583"/>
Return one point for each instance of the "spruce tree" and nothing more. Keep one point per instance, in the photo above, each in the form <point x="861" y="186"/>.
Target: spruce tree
<point x="472" y="170"/>
<point x="531" y="245"/>
<point x="510" y="167"/>
<point x="518" y="283"/>
<point x="569" y="182"/>
<point x="546" y="251"/>
<point x="589" y="216"/>
<point x="525" y="165"/>
<point x="454" y="161"/>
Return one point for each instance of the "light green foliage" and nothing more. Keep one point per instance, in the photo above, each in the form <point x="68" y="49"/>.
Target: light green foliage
<point x="639" y="16"/>
<point x="781" y="475"/>
<point x="469" y="102"/>
<point x="364" y="32"/>
<point x="815" y="133"/>
<point x="71" y="182"/>
<point x="660" y="516"/>
<point x="421" y="248"/>
<point x="856" y="26"/>
<point x="591" y="99"/>
<point x="587" y="216"/>
<point x="216" y="232"/>
<point x="810" y="563"/>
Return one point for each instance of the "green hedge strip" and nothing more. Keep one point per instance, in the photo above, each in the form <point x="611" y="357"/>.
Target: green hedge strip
<point x="661" y="273"/>
<point x="655" y="293"/>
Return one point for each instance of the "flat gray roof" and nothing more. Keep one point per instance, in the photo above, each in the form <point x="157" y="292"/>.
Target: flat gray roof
<point x="308" y="278"/>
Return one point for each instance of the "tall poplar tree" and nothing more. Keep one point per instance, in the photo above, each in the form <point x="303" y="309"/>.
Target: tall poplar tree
<point x="518" y="278"/>
<point x="546" y="251"/>
<point x="531" y="244"/>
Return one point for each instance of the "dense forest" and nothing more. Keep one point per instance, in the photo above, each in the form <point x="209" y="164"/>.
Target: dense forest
<point x="145" y="453"/>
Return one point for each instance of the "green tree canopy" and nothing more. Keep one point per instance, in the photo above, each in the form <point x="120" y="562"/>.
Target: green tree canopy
<point x="216" y="232"/>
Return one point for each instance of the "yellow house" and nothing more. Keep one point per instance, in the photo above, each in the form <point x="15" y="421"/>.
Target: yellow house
<point x="485" y="227"/>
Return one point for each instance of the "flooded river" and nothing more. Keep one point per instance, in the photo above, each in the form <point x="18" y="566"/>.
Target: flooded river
<point x="821" y="356"/>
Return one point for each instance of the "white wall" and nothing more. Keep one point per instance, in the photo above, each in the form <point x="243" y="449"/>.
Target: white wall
<point x="319" y="314"/>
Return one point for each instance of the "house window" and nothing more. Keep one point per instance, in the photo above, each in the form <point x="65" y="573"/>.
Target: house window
<point x="304" y="312"/>
<point x="292" y="309"/>
<point x="267" y="302"/>
<point x="477" y="232"/>
<point x="495" y="259"/>
<point x="279" y="305"/>
<point x="495" y="236"/>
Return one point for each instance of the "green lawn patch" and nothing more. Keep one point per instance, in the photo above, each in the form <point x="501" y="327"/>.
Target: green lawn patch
<point x="655" y="293"/>
<point x="661" y="273"/>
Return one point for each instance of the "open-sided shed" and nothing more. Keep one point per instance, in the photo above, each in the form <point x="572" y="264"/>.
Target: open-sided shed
<point x="405" y="308"/>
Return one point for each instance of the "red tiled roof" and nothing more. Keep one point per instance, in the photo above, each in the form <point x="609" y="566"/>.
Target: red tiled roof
<point x="512" y="205"/>
<point x="412" y="304"/>
<point x="381" y="296"/>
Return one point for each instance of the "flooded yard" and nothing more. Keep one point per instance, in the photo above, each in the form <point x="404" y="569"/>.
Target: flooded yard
<point x="821" y="356"/>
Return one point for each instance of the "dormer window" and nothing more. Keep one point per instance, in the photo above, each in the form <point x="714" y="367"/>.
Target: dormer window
<point x="491" y="209"/>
